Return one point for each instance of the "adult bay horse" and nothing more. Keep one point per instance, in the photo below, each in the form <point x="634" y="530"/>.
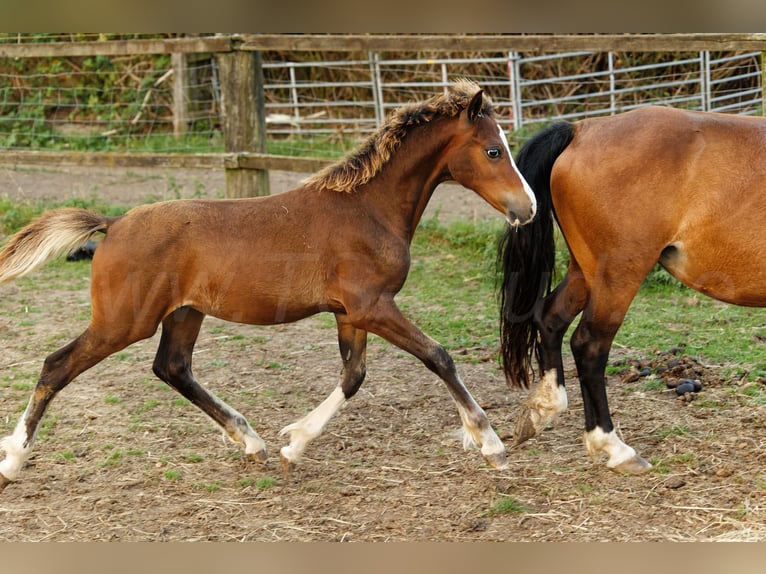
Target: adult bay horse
<point x="340" y="243"/>
<point x="685" y="189"/>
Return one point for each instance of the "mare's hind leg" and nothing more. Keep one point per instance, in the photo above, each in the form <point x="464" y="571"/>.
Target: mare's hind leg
<point x="172" y="364"/>
<point x="591" y="343"/>
<point x="549" y="398"/>
<point x="59" y="369"/>
<point x="352" y="343"/>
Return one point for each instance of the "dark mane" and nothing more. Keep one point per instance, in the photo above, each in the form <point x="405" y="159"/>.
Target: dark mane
<point x="364" y="163"/>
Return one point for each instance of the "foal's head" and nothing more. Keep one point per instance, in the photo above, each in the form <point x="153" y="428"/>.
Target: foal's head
<point x="476" y="153"/>
<point x="480" y="159"/>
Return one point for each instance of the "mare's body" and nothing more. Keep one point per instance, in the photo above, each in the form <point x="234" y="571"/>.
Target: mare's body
<point x="655" y="185"/>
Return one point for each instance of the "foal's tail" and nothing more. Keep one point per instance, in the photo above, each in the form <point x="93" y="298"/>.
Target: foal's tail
<point x="53" y="234"/>
<point x="527" y="257"/>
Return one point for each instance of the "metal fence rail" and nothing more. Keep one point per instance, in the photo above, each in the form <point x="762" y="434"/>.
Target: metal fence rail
<point x="309" y="101"/>
<point x="608" y="84"/>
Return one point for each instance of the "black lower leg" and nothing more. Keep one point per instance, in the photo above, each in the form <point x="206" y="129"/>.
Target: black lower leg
<point x="352" y="343"/>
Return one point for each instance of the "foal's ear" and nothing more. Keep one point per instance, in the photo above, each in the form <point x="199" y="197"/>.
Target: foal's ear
<point x="476" y="105"/>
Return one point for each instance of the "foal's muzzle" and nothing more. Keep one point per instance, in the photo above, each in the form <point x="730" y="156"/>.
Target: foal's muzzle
<point x="517" y="217"/>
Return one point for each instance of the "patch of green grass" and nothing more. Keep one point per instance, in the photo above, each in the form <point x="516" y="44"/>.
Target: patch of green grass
<point x="171" y="474"/>
<point x="659" y="465"/>
<point x="66" y="455"/>
<point x="277" y="366"/>
<point x="21" y="386"/>
<point x="47" y="427"/>
<point x="677" y="430"/>
<point x="148" y="405"/>
<point x="584" y="488"/>
<point x="211" y="486"/>
<point x="755" y="394"/>
<point x="114" y="458"/>
<point x="266" y="482"/>
<point x="687" y="459"/>
<point x="505" y="505"/>
<point x="654" y="385"/>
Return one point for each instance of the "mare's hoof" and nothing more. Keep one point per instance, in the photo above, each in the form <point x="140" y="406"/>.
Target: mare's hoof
<point x="287" y="465"/>
<point x="498" y="461"/>
<point x="4" y="482"/>
<point x="259" y="457"/>
<point x="525" y="427"/>
<point x="635" y="465"/>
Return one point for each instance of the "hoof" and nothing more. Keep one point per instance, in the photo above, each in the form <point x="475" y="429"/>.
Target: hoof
<point x="287" y="465"/>
<point x="635" y="465"/>
<point x="525" y="427"/>
<point x="4" y="482"/>
<point x="498" y="461"/>
<point x="258" y="457"/>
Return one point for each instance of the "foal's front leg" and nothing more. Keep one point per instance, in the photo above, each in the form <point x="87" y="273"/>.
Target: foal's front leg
<point x="389" y="322"/>
<point x="352" y="343"/>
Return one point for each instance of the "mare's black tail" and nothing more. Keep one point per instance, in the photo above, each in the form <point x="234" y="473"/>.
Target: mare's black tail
<point x="526" y="257"/>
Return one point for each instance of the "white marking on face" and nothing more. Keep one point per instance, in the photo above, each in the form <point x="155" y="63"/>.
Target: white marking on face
<point x="609" y="443"/>
<point x="527" y="187"/>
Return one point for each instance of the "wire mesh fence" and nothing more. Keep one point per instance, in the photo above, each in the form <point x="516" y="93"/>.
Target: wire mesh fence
<point x="103" y="103"/>
<point x="323" y="103"/>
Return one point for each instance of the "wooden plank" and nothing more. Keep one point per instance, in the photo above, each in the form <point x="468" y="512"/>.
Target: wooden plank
<point x="396" y="43"/>
<point x="282" y="162"/>
<point x="110" y="159"/>
<point x="119" y="47"/>
<point x="504" y="42"/>
<point x="260" y="161"/>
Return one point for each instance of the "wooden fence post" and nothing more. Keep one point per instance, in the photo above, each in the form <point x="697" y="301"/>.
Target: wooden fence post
<point x="243" y="119"/>
<point x="180" y="94"/>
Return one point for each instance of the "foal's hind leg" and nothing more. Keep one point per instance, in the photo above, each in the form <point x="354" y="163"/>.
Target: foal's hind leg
<point x="59" y="369"/>
<point x="172" y="364"/>
<point x="549" y="398"/>
<point x="353" y="350"/>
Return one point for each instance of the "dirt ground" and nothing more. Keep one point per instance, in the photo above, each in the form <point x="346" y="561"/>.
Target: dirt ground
<point x="122" y="459"/>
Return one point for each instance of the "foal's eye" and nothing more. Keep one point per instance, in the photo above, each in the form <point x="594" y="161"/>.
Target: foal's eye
<point x="494" y="152"/>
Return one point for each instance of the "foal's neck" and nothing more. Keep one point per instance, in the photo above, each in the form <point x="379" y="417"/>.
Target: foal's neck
<point x="407" y="181"/>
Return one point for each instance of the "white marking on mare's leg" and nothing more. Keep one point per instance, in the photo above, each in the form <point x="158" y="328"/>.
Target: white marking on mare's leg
<point x="547" y="400"/>
<point x="543" y="404"/>
<point x="311" y="426"/>
<point x="622" y="457"/>
<point x="15" y="452"/>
